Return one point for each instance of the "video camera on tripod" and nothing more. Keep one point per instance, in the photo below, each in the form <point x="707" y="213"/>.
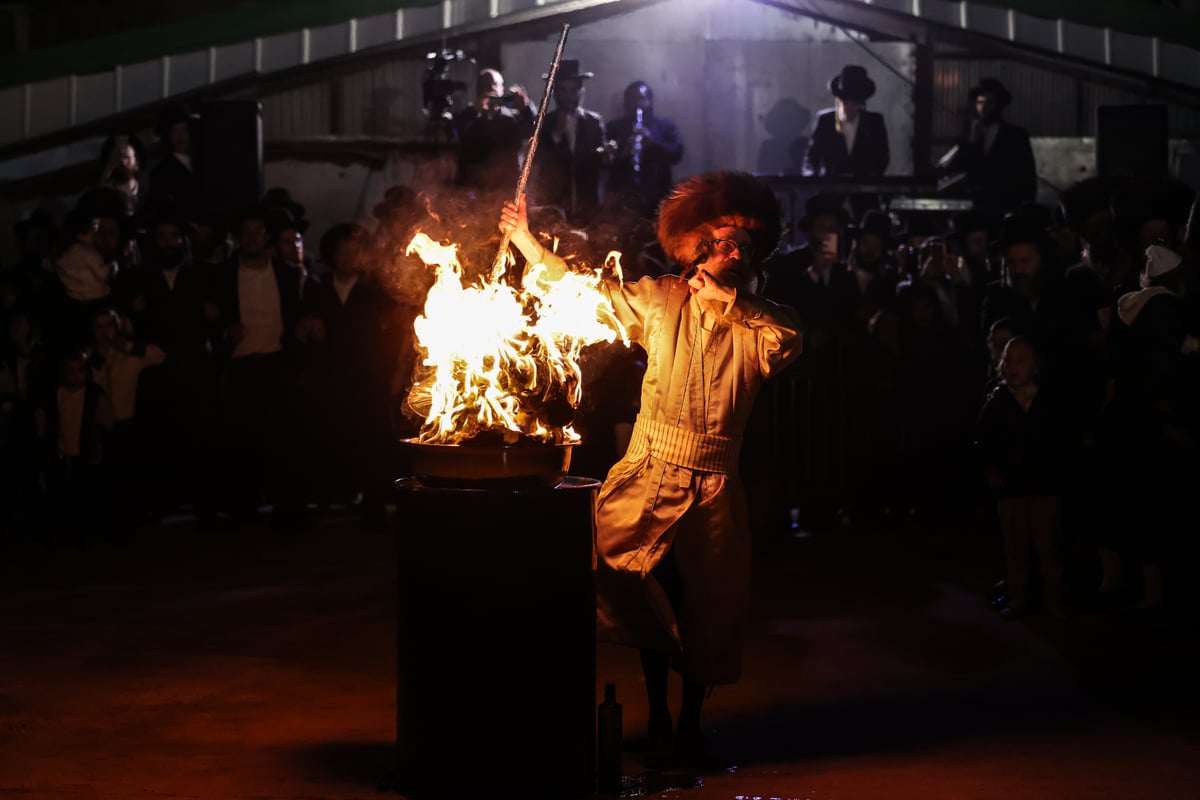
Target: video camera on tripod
<point x="437" y="88"/>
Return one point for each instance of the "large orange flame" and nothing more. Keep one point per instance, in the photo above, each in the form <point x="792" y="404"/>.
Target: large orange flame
<point x="499" y="359"/>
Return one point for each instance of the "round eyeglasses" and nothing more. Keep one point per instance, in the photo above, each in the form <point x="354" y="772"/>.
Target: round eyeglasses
<point x="727" y="247"/>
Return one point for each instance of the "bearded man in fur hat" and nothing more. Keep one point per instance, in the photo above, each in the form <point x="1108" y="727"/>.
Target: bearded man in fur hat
<point x="673" y="537"/>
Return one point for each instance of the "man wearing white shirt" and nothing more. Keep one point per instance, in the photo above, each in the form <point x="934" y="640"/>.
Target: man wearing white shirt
<point x="259" y="300"/>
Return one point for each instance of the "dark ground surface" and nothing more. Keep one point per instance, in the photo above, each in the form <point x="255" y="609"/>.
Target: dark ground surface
<point x="242" y="663"/>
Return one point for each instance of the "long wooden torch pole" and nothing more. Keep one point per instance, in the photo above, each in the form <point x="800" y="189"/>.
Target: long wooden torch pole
<point x="498" y="264"/>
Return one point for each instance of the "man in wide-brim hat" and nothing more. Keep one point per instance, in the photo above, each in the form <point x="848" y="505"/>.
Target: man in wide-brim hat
<point x="1029" y="289"/>
<point x="848" y="140"/>
<point x="1020" y="228"/>
<point x="870" y="265"/>
<point x="572" y="158"/>
<point x="673" y="537"/>
<point x="990" y="86"/>
<point x="970" y="235"/>
<point x="995" y="155"/>
<point x="173" y="180"/>
<point x="812" y="278"/>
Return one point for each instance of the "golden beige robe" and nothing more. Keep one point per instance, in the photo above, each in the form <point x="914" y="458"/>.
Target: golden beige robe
<point x="677" y="484"/>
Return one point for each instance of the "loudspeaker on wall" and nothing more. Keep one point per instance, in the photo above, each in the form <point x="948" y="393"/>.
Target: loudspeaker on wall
<point x="229" y="154"/>
<point x="1132" y="140"/>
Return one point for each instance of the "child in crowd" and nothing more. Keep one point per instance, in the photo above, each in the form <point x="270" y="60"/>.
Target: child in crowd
<point x="83" y="273"/>
<point x="117" y="362"/>
<point x="1019" y="437"/>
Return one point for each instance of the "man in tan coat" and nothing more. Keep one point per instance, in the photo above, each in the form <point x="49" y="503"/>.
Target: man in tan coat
<point x="673" y="538"/>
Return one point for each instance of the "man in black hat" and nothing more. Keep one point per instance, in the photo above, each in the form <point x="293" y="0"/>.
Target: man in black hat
<point x="164" y="296"/>
<point x="875" y="276"/>
<point x="173" y="181"/>
<point x="813" y="278"/>
<point x="848" y="140"/>
<point x="287" y="224"/>
<point x="648" y="146"/>
<point x="572" y="158"/>
<point x="916" y="227"/>
<point x="1030" y="290"/>
<point x="1086" y="208"/>
<point x="969" y="235"/>
<point x="166" y="299"/>
<point x="994" y="154"/>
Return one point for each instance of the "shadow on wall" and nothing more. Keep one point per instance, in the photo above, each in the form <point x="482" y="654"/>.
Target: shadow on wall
<point x="783" y="150"/>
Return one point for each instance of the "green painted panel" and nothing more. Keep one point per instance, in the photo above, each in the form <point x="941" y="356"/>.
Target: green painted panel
<point x="145" y="44"/>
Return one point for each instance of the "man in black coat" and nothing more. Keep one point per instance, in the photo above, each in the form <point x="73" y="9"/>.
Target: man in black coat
<point x="874" y="275"/>
<point x="492" y="134"/>
<point x="173" y="180"/>
<point x="1030" y="291"/>
<point x="848" y="141"/>
<point x="259" y="302"/>
<point x="813" y="278"/>
<point x="648" y="146"/>
<point x="166" y="299"/>
<point x="362" y="355"/>
<point x="573" y="158"/>
<point x="995" y="155"/>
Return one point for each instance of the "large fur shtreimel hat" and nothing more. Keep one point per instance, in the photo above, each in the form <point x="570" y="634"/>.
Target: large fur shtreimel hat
<point x="699" y="205"/>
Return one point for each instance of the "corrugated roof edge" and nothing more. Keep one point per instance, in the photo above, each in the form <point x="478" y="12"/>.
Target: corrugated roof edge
<point x="1135" y="17"/>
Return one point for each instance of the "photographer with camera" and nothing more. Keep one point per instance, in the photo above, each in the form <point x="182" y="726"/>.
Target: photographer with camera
<point x="492" y="135"/>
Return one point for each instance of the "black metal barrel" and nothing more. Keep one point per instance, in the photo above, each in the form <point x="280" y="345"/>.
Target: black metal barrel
<point x="496" y="641"/>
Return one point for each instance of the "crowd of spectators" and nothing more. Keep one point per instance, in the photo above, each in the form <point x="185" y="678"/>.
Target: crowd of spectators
<point x="1038" y="363"/>
<point x="161" y="359"/>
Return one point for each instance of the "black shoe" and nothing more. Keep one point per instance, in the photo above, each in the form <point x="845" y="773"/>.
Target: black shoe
<point x="1111" y="599"/>
<point x="1012" y="613"/>
<point x="692" y="752"/>
<point x="659" y="729"/>
<point x="658" y="737"/>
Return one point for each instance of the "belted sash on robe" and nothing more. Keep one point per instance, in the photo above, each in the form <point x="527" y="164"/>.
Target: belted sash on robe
<point x="705" y="452"/>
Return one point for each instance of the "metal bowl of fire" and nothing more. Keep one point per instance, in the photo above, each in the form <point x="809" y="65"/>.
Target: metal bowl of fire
<point x="486" y="462"/>
<point x="499" y="378"/>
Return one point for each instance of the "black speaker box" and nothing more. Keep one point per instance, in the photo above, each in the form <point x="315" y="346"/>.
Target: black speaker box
<point x="1132" y="140"/>
<point x="229" y="155"/>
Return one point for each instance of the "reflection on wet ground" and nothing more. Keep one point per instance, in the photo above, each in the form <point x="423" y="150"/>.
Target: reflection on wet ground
<point x="653" y="784"/>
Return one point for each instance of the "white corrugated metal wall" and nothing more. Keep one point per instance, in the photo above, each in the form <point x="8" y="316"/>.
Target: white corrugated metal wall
<point x="380" y="100"/>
